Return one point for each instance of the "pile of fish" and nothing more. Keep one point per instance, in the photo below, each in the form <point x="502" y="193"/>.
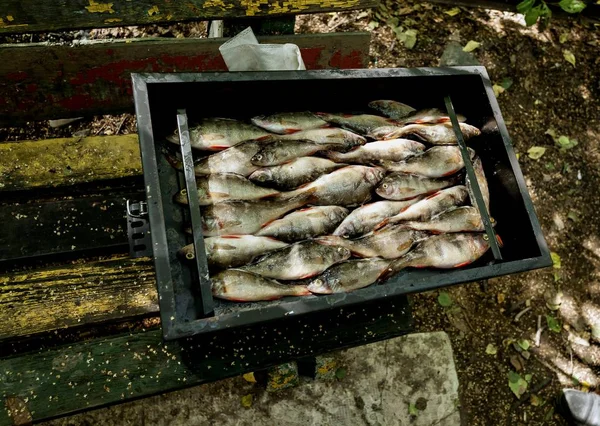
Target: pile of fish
<point x="304" y="203"/>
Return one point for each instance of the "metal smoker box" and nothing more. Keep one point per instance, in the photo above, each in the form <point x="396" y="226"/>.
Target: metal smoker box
<point x="161" y="100"/>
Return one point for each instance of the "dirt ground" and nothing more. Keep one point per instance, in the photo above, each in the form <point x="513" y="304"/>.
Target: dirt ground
<point x="487" y="321"/>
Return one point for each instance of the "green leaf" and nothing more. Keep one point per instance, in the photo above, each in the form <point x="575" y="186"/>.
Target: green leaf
<point x="524" y="344"/>
<point x="497" y="89"/>
<point x="340" y="373"/>
<point x="555" y="260"/>
<point x="471" y="45"/>
<point x="412" y="410"/>
<point x="565" y="143"/>
<point x="517" y="385"/>
<point x="525" y="5"/>
<point x="506" y="82"/>
<point x="528" y="377"/>
<point x="247" y="401"/>
<point x="549" y="414"/>
<point x="563" y="38"/>
<point x="572" y="6"/>
<point x="553" y="324"/>
<point x="536" y="152"/>
<point x="372" y="25"/>
<point x="444" y="299"/>
<point x="532" y="15"/>
<point x="569" y="57"/>
<point x="550" y="132"/>
<point x="550" y="166"/>
<point x="491" y="349"/>
<point x="410" y="38"/>
<point x="453" y="12"/>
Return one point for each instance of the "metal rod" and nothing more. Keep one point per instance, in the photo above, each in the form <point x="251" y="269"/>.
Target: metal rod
<point x="485" y="216"/>
<point x="192" y="195"/>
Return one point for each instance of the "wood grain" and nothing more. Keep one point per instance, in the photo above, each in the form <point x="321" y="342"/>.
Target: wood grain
<point x="38" y="81"/>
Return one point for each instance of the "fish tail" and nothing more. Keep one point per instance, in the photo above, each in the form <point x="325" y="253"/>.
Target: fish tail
<point x="300" y="290"/>
<point x="395" y="267"/>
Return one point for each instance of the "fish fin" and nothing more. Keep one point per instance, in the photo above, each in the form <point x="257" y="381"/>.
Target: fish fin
<point x="273" y="239"/>
<point x="264" y="138"/>
<point x="303" y="291"/>
<point x="381" y="224"/>
<point x="270" y="196"/>
<point x="460" y="265"/>
<point x="432" y="195"/>
<point x="303" y="277"/>
<point x="268" y="223"/>
<point x="291" y="131"/>
<point x="232" y="237"/>
<point x="305" y="209"/>
<point x="500" y="242"/>
<point x="217" y="147"/>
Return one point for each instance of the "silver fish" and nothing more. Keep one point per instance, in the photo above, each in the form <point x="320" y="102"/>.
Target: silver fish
<point x="229" y="251"/>
<point x="232" y="160"/>
<point x="225" y="186"/>
<point x="460" y="219"/>
<point x="337" y="136"/>
<point x="298" y="261"/>
<point x="348" y="186"/>
<point x="430" y="116"/>
<point x="436" y="162"/>
<point x="364" y="219"/>
<point x="305" y="223"/>
<point x="246" y="217"/>
<point x="392" y="109"/>
<point x="289" y="122"/>
<point x="374" y="152"/>
<point x="348" y="276"/>
<point x="432" y="205"/>
<point x="217" y="134"/>
<point x="483" y="185"/>
<point x="295" y="173"/>
<point x="362" y="123"/>
<point x="435" y="134"/>
<point x="283" y="151"/>
<point x="242" y="286"/>
<point x="389" y="242"/>
<point x="402" y="186"/>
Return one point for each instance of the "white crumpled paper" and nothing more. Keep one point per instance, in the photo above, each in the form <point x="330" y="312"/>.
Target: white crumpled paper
<point x="244" y="53"/>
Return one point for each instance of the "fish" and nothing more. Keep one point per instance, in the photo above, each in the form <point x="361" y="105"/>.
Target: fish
<point x="348" y="276"/>
<point x="389" y="242"/>
<point x="294" y="173"/>
<point x="284" y="151"/>
<point x="238" y="217"/>
<point x="460" y="219"/>
<point x="219" y="187"/>
<point x="435" y="134"/>
<point x="432" y="205"/>
<point x="364" y="219"/>
<point x="436" y="162"/>
<point x="374" y="152"/>
<point x="362" y="123"/>
<point x="243" y="286"/>
<point x="392" y="109"/>
<point x="444" y="251"/>
<point x="217" y="134"/>
<point x="344" y="138"/>
<point x="229" y="251"/>
<point x="232" y="160"/>
<point x="306" y="223"/>
<point x="429" y="116"/>
<point x="289" y="122"/>
<point x="298" y="261"/>
<point x="402" y="186"/>
<point x="348" y="186"/>
<point x="483" y="185"/>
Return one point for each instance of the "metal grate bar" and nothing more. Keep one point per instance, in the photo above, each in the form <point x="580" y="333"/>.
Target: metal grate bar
<point x="485" y="216"/>
<point x="192" y="195"/>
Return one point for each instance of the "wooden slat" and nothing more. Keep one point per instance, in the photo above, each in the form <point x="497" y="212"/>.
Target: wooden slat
<point x="70" y="295"/>
<point x="70" y="226"/>
<point x="38" y="81"/>
<point x="67" y="161"/>
<point x="23" y="16"/>
<point x="103" y="371"/>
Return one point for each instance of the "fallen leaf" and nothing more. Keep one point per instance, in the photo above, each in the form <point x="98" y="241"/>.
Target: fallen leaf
<point x="491" y="349"/>
<point x="444" y="299"/>
<point x="412" y="410"/>
<point x="563" y="38"/>
<point x="372" y="25"/>
<point x="573" y="215"/>
<point x="524" y="344"/>
<point x="247" y="401"/>
<point x="555" y="260"/>
<point x="536" y="152"/>
<point x="340" y="373"/>
<point x="471" y="45"/>
<point x="497" y="89"/>
<point x="525" y="354"/>
<point x="551" y="132"/>
<point x="517" y="385"/>
<point x="515" y="361"/>
<point x="535" y="400"/>
<point x="362" y="15"/>
<point x="409" y="38"/>
<point x="569" y="57"/>
<point x="453" y="12"/>
<point x="565" y="143"/>
<point x="507" y="82"/>
<point x="528" y="377"/>
<point x="501" y="297"/>
<point x="549" y="414"/>
<point x="405" y="11"/>
<point x="249" y="377"/>
<point x="553" y="324"/>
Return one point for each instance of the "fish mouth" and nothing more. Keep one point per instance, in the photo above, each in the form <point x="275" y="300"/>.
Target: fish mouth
<point x="318" y="286"/>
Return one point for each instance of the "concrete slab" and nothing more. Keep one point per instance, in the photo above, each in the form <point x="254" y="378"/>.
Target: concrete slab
<point x="384" y="383"/>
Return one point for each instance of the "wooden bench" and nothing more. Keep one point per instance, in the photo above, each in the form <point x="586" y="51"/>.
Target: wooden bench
<point x="79" y="323"/>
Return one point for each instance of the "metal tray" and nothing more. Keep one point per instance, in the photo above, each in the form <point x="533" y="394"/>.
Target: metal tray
<point x="186" y="307"/>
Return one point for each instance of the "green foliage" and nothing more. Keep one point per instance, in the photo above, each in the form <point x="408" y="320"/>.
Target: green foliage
<point x="444" y="299"/>
<point x="535" y="10"/>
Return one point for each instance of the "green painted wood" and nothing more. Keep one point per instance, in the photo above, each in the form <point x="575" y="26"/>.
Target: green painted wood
<point x="261" y="27"/>
<point x="63" y="380"/>
<point x="38" y="81"/>
<point x="25" y="16"/>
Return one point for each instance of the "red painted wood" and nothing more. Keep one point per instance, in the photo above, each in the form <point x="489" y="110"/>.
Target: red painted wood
<point x="40" y="82"/>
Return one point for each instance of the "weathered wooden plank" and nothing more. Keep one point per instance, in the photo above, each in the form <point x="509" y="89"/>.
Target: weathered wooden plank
<point x="67" y="161"/>
<point x="38" y="81"/>
<point x="90" y="374"/>
<point x="24" y="16"/>
<point x="69" y="226"/>
<point x="75" y="294"/>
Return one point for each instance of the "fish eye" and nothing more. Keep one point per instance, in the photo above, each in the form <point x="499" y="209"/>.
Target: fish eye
<point x="346" y="235"/>
<point x="485" y="237"/>
<point x="384" y="186"/>
<point x="258" y="157"/>
<point x="183" y="192"/>
<point x="189" y="255"/>
<point x="318" y="281"/>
